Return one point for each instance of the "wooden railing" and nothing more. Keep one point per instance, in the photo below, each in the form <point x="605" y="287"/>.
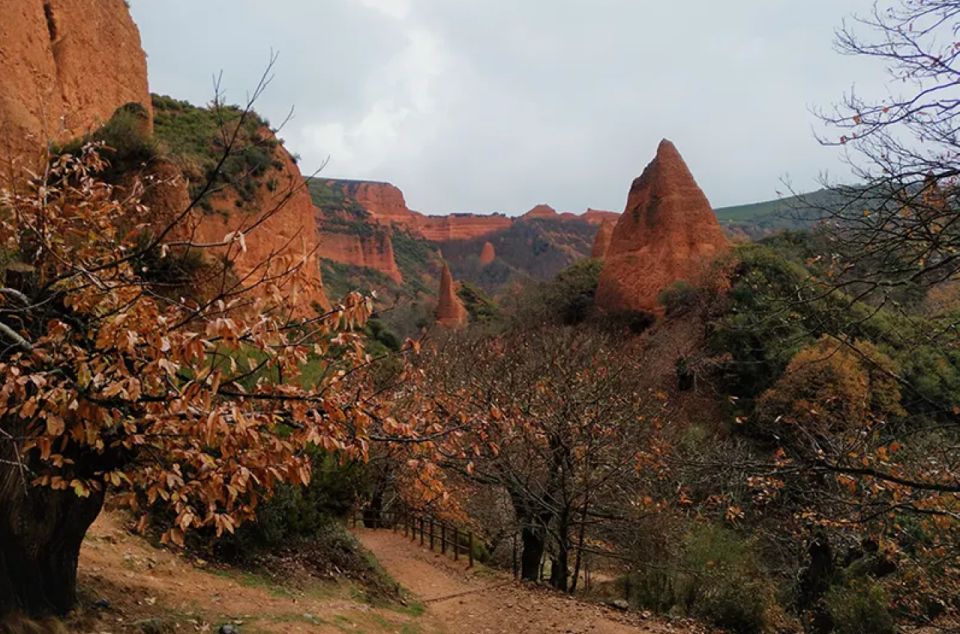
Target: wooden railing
<point x="431" y="531"/>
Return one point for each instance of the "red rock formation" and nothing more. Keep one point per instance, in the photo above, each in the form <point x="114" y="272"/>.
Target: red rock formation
<point x="65" y="67"/>
<point x="450" y="311"/>
<point x="597" y="216"/>
<point x="382" y="200"/>
<point x="668" y="232"/>
<point x="602" y="242"/>
<point x="461" y="226"/>
<point x="541" y="211"/>
<point x="373" y="251"/>
<point x="488" y="254"/>
<point x="289" y="236"/>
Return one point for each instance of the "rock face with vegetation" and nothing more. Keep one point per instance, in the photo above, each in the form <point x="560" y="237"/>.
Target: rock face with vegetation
<point x="260" y="194"/>
<point x="65" y="66"/>
<point x="450" y="310"/>
<point x="667" y="233"/>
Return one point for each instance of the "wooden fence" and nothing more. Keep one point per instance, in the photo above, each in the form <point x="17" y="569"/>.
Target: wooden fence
<point x="432" y="532"/>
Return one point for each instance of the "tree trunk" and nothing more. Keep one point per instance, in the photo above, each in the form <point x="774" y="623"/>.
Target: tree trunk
<point x="560" y="568"/>
<point x="533" y="540"/>
<point x="40" y="535"/>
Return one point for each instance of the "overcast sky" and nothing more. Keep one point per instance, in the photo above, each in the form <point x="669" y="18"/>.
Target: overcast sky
<point x="497" y="105"/>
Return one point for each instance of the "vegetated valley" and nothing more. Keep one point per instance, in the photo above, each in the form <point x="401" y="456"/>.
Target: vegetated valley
<point x="237" y="399"/>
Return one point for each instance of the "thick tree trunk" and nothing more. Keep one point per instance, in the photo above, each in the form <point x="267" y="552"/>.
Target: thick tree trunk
<point x="533" y="540"/>
<point x="40" y="535"/>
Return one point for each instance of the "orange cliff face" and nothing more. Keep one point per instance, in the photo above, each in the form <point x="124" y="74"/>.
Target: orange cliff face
<point x="374" y="251"/>
<point x="287" y="238"/>
<point x="667" y="233"/>
<point x="383" y="201"/>
<point x="602" y="241"/>
<point x="65" y="67"/>
<point x="450" y="311"/>
<point x="461" y="226"/>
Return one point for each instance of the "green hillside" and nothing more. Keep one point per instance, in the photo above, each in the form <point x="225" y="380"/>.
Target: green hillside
<point x="758" y="220"/>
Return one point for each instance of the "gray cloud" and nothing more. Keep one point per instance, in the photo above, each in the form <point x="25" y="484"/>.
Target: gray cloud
<point x="497" y="105"/>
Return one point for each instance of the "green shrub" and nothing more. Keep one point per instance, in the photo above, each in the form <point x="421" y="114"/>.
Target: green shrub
<point x="633" y="321"/>
<point x="298" y="512"/>
<point x="127" y="146"/>
<point x="860" y="607"/>
<point x="480" y="307"/>
<point x="679" y="297"/>
<point x="570" y="295"/>
<point x="713" y="574"/>
<point x="725" y="584"/>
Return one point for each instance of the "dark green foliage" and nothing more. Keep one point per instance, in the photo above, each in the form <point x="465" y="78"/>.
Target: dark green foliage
<point x="381" y="333"/>
<point x="715" y="575"/>
<point x="859" y="607"/>
<point x="482" y="309"/>
<point x="776" y="307"/>
<point x="298" y="512"/>
<point x="415" y="257"/>
<point x="128" y="148"/>
<point x="570" y="295"/>
<point x="340" y="279"/>
<point x="197" y="138"/>
<point x="679" y="298"/>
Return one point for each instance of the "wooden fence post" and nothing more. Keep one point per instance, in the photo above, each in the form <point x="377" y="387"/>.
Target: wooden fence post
<point x="443" y="538"/>
<point x="431" y="533"/>
<point x="456" y="543"/>
<point x="421" y="530"/>
<point x="515" y="570"/>
<point x="470" y="546"/>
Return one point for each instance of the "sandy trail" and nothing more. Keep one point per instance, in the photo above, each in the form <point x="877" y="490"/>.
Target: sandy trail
<point x="483" y="601"/>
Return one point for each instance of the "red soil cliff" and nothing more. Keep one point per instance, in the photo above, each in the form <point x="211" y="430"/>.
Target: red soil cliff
<point x="374" y="251"/>
<point x="602" y="242"/>
<point x="668" y="232"/>
<point x="488" y="254"/>
<point x="65" y="67"/>
<point x="461" y="226"/>
<point x="289" y="237"/>
<point x="450" y="311"/>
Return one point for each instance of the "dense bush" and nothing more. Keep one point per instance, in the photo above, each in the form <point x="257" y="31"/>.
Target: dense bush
<point x="298" y="512"/>
<point x="128" y="147"/>
<point x="678" y="298"/>
<point x="713" y="574"/>
<point x="860" y="607"/>
<point x="570" y="295"/>
<point x="481" y="308"/>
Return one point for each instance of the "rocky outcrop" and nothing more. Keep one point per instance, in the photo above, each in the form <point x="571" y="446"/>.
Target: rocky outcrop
<point x="384" y="202"/>
<point x="65" y="67"/>
<point x="450" y="311"/>
<point x="541" y="211"/>
<point x="461" y="226"/>
<point x="668" y="232"/>
<point x="597" y="216"/>
<point x="602" y="242"/>
<point x="488" y="254"/>
<point x="373" y="250"/>
<point x="287" y="238"/>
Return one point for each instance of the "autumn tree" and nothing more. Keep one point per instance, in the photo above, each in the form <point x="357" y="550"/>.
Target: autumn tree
<point x="188" y="403"/>
<point x="556" y="419"/>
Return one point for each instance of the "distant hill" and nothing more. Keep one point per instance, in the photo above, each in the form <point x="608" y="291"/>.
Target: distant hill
<point x="758" y="220"/>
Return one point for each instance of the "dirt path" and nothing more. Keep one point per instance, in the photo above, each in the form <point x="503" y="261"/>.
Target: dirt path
<point x="129" y="585"/>
<point x="483" y="601"/>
